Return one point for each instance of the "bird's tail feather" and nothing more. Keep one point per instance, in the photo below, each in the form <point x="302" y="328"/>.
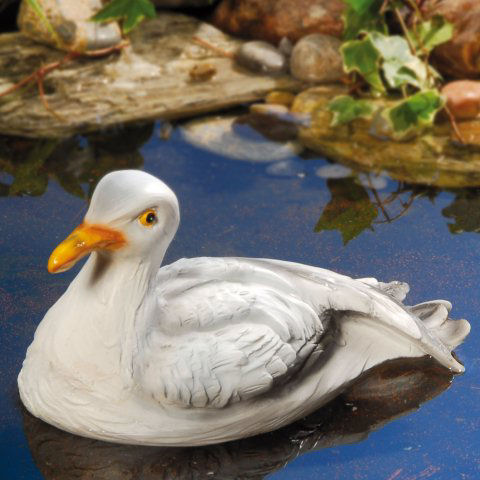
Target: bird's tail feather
<point x="434" y="315"/>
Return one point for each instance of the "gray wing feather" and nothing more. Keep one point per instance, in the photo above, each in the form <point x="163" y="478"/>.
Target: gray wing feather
<point x="230" y="329"/>
<point x="222" y="341"/>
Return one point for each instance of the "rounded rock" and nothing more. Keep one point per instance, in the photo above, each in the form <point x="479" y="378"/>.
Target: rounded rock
<point x="261" y="57"/>
<point x="316" y="58"/>
<point x="271" y="20"/>
<point x="460" y="56"/>
<point x="463" y="98"/>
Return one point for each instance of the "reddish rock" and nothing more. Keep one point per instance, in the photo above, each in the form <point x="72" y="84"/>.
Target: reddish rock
<point x="271" y="20"/>
<point x="460" y="57"/>
<point x="463" y="98"/>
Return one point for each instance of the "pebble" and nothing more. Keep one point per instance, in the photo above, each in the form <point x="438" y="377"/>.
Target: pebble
<point x="270" y="109"/>
<point x="202" y="72"/>
<point x="261" y="57"/>
<point x="280" y="98"/>
<point x="285" y="46"/>
<point x="463" y="98"/>
<point x="280" y="112"/>
<point x="272" y="20"/>
<point x="316" y="58"/>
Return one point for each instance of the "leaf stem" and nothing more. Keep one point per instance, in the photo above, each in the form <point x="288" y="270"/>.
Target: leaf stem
<point x="212" y="47"/>
<point x="414" y="6"/>
<point x="405" y="30"/>
<point x="454" y="125"/>
<point x="377" y="198"/>
<point x="39" y="74"/>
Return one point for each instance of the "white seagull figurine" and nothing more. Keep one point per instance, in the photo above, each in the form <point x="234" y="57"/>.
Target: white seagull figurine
<point x="205" y="350"/>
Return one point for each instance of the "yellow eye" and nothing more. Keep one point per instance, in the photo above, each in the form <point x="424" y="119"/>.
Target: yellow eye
<point x="148" y="218"/>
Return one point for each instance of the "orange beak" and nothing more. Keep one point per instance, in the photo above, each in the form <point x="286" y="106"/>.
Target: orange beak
<point x="83" y="240"/>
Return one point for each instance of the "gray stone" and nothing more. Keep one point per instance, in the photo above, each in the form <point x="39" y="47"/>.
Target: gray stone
<point x="261" y="57"/>
<point x="316" y="58"/>
<point x="285" y="46"/>
<point x="68" y="25"/>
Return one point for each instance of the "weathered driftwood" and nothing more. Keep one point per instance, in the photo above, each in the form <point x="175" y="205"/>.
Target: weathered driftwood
<point x="155" y="77"/>
<point x="430" y="159"/>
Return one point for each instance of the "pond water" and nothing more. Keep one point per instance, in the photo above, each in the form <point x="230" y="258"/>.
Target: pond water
<point x="296" y="208"/>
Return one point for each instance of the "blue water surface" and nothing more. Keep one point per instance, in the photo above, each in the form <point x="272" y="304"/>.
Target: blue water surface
<point x="232" y="207"/>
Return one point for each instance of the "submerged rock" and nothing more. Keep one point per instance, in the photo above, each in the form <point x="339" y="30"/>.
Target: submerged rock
<point x="261" y="57"/>
<point x="271" y="20"/>
<point x="317" y="58"/>
<point x="460" y="56"/>
<point x="229" y="137"/>
<point x="432" y="159"/>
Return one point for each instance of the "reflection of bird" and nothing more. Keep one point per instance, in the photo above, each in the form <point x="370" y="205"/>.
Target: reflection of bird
<point x="208" y="349"/>
<point x="381" y="394"/>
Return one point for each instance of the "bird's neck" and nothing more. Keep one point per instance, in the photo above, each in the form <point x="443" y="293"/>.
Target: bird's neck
<point x="97" y="321"/>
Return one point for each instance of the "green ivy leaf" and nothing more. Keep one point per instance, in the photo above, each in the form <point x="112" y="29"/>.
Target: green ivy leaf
<point x="132" y="12"/>
<point x="399" y="65"/>
<point x="431" y="33"/>
<point x="415" y="112"/>
<point x="350" y="210"/>
<point x="363" y="57"/>
<point x="345" y="109"/>
<point x="362" y="15"/>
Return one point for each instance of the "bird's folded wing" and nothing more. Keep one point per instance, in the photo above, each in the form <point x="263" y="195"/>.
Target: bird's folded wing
<point x="223" y="339"/>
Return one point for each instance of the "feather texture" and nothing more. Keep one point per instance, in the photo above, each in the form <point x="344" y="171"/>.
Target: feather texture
<point x="207" y="350"/>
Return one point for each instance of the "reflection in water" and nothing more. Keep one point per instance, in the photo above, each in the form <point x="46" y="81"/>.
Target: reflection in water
<point x="380" y="395"/>
<point x="356" y="205"/>
<point x="358" y="201"/>
<point x="232" y="137"/>
<point x="465" y="211"/>
<point x="73" y="162"/>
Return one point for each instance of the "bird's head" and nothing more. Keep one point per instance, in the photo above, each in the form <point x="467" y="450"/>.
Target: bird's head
<point x="131" y="214"/>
